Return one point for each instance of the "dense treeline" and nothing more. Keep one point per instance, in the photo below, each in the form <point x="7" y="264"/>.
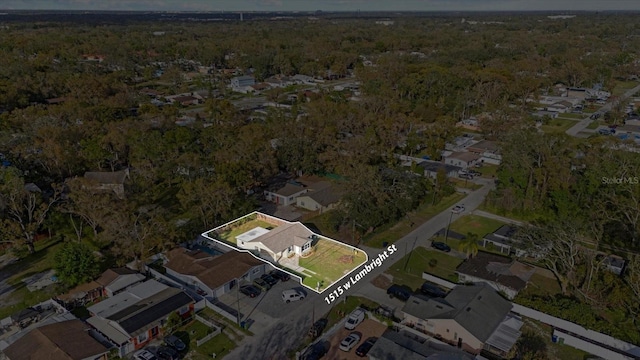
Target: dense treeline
<point x="417" y="78"/>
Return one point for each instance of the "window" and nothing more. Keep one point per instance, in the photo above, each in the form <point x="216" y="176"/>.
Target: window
<point x="301" y="203"/>
<point x="291" y="198"/>
<point x="455" y="336"/>
<point x="143" y="337"/>
<point x="154" y="331"/>
<point x="184" y="310"/>
<point x="306" y="246"/>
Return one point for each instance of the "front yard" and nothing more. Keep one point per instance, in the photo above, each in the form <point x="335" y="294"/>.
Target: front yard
<point x="475" y="224"/>
<point x="408" y="270"/>
<point x="329" y="262"/>
<point x="556" y="126"/>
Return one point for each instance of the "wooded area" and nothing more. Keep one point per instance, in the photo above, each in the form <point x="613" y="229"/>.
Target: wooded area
<point x="417" y="78"/>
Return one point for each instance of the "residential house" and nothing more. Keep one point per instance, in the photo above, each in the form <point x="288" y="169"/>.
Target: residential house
<point x="560" y="107"/>
<point x="68" y="340"/>
<point x="303" y="79"/>
<point x="321" y="196"/>
<point x="431" y="169"/>
<point x="464" y="160"/>
<point x="578" y="93"/>
<point x="242" y="84"/>
<point x="131" y="319"/>
<point x="502" y="273"/>
<point x="288" y="239"/>
<point x="213" y="275"/>
<point x="489" y="151"/>
<point x="185" y="100"/>
<point x="628" y="131"/>
<point x="108" y="181"/>
<point x="502" y="241"/>
<point x="398" y="345"/>
<point x="469" y="124"/>
<point x="151" y="93"/>
<point x="260" y="87"/>
<point x="545" y="113"/>
<point x="472" y="317"/>
<point x="116" y="280"/>
<point x="25" y="317"/>
<point x="81" y="295"/>
<point x="614" y="263"/>
<point x="287" y="194"/>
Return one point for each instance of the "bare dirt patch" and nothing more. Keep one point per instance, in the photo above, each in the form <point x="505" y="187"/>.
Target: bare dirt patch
<point x="346" y="259"/>
<point x="382" y="281"/>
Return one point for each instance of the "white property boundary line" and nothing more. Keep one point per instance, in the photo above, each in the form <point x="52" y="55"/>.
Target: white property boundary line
<point x="280" y="267"/>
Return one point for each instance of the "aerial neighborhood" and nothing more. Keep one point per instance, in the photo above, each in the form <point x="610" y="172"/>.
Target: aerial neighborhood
<point x="318" y="185"/>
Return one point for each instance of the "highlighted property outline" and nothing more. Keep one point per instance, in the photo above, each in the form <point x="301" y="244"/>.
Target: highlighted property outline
<point x="212" y="234"/>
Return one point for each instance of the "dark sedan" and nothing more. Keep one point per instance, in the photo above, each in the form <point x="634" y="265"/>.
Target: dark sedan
<point x="269" y="279"/>
<point x="280" y="275"/>
<point x="363" y="349"/>
<point x="440" y="246"/>
<point x="250" y="291"/>
<point x="401" y="292"/>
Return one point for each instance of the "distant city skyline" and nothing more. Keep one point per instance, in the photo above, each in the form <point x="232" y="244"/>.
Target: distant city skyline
<point x="324" y="5"/>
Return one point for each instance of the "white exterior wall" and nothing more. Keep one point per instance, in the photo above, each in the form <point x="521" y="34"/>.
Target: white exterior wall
<point x="511" y="293"/>
<point x="589" y="347"/>
<point x="448" y="329"/>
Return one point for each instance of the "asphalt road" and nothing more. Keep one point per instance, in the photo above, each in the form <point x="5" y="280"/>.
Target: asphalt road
<point x="584" y="123"/>
<point x="278" y="340"/>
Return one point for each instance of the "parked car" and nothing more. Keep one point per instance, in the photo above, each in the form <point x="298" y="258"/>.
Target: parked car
<point x="317" y="328"/>
<point x="475" y="173"/>
<point x="144" y="355"/>
<point x="269" y="279"/>
<point x="250" y="291"/>
<point x="350" y="341"/>
<point x="440" y="246"/>
<point x="398" y="291"/>
<point x="457" y="209"/>
<point x="280" y="275"/>
<point x="605" y="131"/>
<point x="175" y="342"/>
<point x="292" y="295"/>
<point x="466" y="176"/>
<point x="432" y="290"/>
<point x="316" y="351"/>
<point x="354" y="319"/>
<point x="167" y="353"/>
<point x="261" y="284"/>
<point x="363" y="349"/>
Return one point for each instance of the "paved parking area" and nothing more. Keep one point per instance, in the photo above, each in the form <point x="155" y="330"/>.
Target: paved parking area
<point x="367" y="328"/>
<point x="268" y="306"/>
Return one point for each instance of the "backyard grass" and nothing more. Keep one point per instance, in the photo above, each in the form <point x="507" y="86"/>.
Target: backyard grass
<point x="425" y="212"/>
<point x="40" y="261"/>
<point x="465" y="184"/>
<point x="622" y="87"/>
<point x="475" y="224"/>
<point x="329" y="262"/>
<point x="220" y="344"/>
<point x="488" y="170"/>
<point x="408" y="270"/>
<point x="557" y="126"/>
<point x="230" y="235"/>
<point x="540" y="285"/>
<point x="555" y="351"/>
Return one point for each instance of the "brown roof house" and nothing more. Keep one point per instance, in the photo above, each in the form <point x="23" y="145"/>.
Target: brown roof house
<point x="500" y="272"/>
<point x="321" y="196"/>
<point x="489" y="151"/>
<point x="287" y="194"/>
<point x="81" y="295"/>
<point x="108" y="181"/>
<point x="471" y="317"/>
<point x="213" y="275"/>
<point x="67" y="340"/>
<point x="116" y="280"/>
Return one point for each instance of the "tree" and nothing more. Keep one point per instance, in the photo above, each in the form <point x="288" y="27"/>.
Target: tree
<point x="469" y="245"/>
<point x="75" y="263"/>
<point x="24" y="208"/>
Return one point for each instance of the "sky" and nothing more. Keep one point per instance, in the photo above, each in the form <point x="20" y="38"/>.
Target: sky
<point x="324" y="5"/>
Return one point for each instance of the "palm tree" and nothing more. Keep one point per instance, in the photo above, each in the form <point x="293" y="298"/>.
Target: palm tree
<point x="469" y="245"/>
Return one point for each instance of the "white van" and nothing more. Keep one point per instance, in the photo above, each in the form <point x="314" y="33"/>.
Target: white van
<point x="354" y="319"/>
<point x="292" y="295"/>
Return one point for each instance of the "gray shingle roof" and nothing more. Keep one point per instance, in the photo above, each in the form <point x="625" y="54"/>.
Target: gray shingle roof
<point x="478" y="308"/>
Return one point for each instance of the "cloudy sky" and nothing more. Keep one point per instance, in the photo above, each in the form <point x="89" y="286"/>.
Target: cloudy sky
<point x="325" y="5"/>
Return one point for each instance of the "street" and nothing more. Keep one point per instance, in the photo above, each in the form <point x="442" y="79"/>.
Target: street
<point x="281" y="339"/>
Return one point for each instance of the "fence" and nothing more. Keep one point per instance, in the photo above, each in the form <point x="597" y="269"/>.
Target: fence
<point x="437" y="280"/>
<point x="221" y="311"/>
<point x="210" y="336"/>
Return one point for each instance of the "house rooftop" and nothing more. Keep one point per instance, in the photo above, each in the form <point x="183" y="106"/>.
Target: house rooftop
<point x="434" y="166"/>
<point x="326" y="196"/>
<point x="498" y="269"/>
<point x="478" y="308"/>
<point x="464" y="156"/>
<point x="121" y="301"/>
<point x="116" y="177"/>
<point x="289" y="189"/>
<point x="285" y="235"/>
<point x="79" y="291"/>
<point x="484" y="146"/>
<point x="395" y="345"/>
<point x="119" y="278"/>
<point x="506" y="231"/>
<point x="68" y="340"/>
<point x="213" y="271"/>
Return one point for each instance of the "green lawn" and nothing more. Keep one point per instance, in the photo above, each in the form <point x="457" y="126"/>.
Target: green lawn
<point x="554" y="351"/>
<point x="488" y="170"/>
<point x="475" y="224"/>
<point x="408" y="270"/>
<point x="220" y="344"/>
<point x="557" y="126"/>
<point x="425" y="212"/>
<point x="465" y="184"/>
<point x="594" y="125"/>
<point x="622" y="87"/>
<point x="571" y="116"/>
<point x="329" y="262"/>
<point x="230" y="235"/>
<point x="540" y="285"/>
<point x="41" y="260"/>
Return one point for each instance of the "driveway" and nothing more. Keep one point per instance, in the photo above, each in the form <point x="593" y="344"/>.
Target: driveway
<point x="367" y="329"/>
<point x="285" y="334"/>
